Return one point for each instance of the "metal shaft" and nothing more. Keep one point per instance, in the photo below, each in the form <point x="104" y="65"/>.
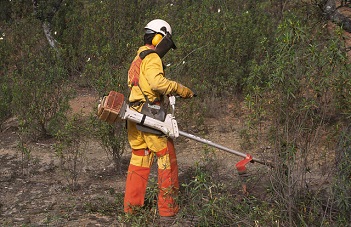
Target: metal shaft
<point x="205" y="141"/>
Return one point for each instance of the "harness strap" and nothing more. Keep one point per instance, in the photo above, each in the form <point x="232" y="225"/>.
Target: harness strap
<point x="145" y="53"/>
<point x="136" y="103"/>
<point x="134" y="70"/>
<point x="142" y="119"/>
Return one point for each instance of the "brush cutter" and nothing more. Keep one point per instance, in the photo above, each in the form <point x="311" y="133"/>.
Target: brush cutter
<point x="114" y="107"/>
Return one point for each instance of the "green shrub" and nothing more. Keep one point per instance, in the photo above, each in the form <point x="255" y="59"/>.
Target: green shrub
<point x="342" y="184"/>
<point x="70" y="149"/>
<point x="36" y="77"/>
<point x="40" y="97"/>
<point x="5" y="81"/>
<point x="295" y="89"/>
<point x="5" y="99"/>
<point x="113" y="138"/>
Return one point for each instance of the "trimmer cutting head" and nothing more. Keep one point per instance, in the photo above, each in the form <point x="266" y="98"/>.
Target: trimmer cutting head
<point x="110" y="107"/>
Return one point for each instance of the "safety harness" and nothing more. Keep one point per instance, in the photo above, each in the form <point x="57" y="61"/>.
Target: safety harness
<point x="151" y="109"/>
<point x="134" y="75"/>
<point x="134" y="70"/>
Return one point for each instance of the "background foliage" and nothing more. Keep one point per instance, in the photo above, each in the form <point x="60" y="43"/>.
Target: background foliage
<point x="277" y="56"/>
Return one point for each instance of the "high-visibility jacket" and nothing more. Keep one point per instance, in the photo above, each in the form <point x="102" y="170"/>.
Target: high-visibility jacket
<point x="152" y="79"/>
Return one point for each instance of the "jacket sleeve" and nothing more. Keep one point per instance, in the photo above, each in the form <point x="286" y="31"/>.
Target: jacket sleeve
<point x="154" y="75"/>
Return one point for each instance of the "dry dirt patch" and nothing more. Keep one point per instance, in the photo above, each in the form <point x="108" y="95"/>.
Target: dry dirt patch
<point x="35" y="191"/>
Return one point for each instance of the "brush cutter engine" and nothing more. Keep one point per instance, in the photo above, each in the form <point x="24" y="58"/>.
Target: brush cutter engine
<point x="114" y="107"/>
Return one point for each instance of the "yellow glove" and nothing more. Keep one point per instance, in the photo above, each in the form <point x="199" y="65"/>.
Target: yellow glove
<point x="184" y="92"/>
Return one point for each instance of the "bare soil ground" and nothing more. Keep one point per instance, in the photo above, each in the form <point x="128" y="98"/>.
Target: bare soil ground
<point x="35" y="191"/>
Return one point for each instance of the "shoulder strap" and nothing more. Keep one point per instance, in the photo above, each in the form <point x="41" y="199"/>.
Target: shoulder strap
<point x="134" y="76"/>
<point x="134" y="70"/>
<point x="145" y="53"/>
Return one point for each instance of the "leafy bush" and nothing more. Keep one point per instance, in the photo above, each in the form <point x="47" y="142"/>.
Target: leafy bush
<point x="5" y="97"/>
<point x="216" y="43"/>
<point x="295" y="89"/>
<point x="113" y="138"/>
<point x="342" y="185"/>
<point x="38" y="80"/>
<point x="5" y="81"/>
<point x="40" y="98"/>
<point x="70" y="148"/>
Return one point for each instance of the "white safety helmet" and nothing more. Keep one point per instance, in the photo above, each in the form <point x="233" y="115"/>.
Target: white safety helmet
<point x="158" y="26"/>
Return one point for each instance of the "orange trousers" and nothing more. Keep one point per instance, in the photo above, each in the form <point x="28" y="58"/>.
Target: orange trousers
<point x="139" y="170"/>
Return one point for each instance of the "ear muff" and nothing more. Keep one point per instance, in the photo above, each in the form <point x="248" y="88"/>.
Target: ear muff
<point x="157" y="39"/>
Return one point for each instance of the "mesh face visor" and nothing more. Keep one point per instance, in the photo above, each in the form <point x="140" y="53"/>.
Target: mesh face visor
<point x="165" y="45"/>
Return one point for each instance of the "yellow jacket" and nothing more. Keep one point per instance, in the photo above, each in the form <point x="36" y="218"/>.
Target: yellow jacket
<point x="152" y="79"/>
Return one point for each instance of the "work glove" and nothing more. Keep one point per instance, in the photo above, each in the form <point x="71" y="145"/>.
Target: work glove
<point x="184" y="92"/>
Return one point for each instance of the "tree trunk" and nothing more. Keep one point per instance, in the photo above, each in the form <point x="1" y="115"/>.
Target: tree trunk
<point x="47" y="31"/>
<point x="47" y="19"/>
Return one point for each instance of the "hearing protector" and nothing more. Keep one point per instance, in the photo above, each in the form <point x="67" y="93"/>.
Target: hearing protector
<point x="157" y="39"/>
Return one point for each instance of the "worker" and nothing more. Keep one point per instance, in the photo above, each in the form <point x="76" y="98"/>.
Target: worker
<point x="148" y="88"/>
